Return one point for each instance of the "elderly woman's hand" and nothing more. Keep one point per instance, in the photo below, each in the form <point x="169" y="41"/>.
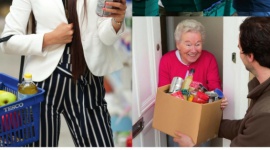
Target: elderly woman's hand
<point x="183" y="140"/>
<point x="224" y="103"/>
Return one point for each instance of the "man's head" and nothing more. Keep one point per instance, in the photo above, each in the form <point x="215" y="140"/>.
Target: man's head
<point x="254" y="42"/>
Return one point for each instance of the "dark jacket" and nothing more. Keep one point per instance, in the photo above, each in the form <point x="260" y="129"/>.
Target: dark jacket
<point x="254" y="128"/>
<point x="252" y="5"/>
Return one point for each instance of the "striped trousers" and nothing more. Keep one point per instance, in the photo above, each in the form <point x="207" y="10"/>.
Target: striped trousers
<point x="82" y="105"/>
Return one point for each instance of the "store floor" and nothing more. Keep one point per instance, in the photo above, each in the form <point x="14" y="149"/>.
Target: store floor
<point x="65" y="139"/>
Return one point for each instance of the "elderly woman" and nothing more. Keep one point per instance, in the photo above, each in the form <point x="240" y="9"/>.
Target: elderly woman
<point x="189" y="37"/>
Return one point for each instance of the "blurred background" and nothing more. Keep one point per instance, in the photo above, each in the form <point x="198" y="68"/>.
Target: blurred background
<point x="117" y="85"/>
<point x="181" y="7"/>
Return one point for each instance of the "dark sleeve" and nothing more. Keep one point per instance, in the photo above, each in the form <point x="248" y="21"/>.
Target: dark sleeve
<point x="229" y="128"/>
<point x="256" y="132"/>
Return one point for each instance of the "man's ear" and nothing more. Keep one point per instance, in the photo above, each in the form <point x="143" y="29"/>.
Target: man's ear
<point x="250" y="57"/>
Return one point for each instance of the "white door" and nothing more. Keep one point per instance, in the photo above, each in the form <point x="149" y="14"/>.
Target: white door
<point x="146" y="53"/>
<point x="235" y="76"/>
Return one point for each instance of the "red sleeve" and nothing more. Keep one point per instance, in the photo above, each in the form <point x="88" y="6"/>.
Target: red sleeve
<point x="213" y="79"/>
<point x="164" y="75"/>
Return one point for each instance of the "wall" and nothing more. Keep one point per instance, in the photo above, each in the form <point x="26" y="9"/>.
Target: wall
<point x="235" y="76"/>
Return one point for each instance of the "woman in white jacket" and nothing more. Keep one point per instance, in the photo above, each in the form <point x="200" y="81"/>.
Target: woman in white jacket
<point x="70" y="52"/>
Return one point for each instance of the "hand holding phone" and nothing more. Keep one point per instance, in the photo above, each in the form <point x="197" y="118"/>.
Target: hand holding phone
<point x="102" y="4"/>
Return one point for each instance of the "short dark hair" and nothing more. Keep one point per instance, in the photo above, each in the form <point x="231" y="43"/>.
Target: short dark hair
<point x="255" y="38"/>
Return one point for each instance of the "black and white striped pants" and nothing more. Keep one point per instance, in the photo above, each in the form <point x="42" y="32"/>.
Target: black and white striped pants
<point x="82" y="105"/>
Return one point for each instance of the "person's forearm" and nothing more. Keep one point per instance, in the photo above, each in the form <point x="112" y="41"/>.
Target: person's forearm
<point x="47" y="39"/>
<point x="229" y="128"/>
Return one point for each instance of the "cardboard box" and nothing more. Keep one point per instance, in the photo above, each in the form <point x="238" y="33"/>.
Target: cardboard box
<point x="199" y="121"/>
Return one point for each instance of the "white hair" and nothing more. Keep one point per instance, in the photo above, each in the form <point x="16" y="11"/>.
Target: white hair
<point x="188" y="25"/>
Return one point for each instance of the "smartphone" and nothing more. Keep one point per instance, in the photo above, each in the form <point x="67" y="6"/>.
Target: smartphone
<point x="101" y="5"/>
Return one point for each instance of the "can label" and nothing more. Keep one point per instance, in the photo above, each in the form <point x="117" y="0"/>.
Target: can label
<point x="178" y="94"/>
<point x="212" y="96"/>
<point x="176" y="84"/>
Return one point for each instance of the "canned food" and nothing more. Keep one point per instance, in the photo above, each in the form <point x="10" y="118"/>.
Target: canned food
<point x="178" y="94"/>
<point x="201" y="98"/>
<point x="102" y="4"/>
<point x="219" y="93"/>
<point x="212" y="96"/>
<point x="194" y="86"/>
<point x="176" y="84"/>
<point x="202" y="88"/>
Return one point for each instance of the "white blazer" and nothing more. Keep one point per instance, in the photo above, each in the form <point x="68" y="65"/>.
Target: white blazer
<point x="97" y="34"/>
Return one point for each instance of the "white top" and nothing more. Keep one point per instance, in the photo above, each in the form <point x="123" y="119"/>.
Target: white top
<point x="179" y="57"/>
<point x="97" y="34"/>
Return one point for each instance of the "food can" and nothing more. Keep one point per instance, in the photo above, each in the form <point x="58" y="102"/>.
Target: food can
<point x="219" y="93"/>
<point x="178" y="94"/>
<point x="202" y="88"/>
<point x="176" y="84"/>
<point x="212" y="96"/>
